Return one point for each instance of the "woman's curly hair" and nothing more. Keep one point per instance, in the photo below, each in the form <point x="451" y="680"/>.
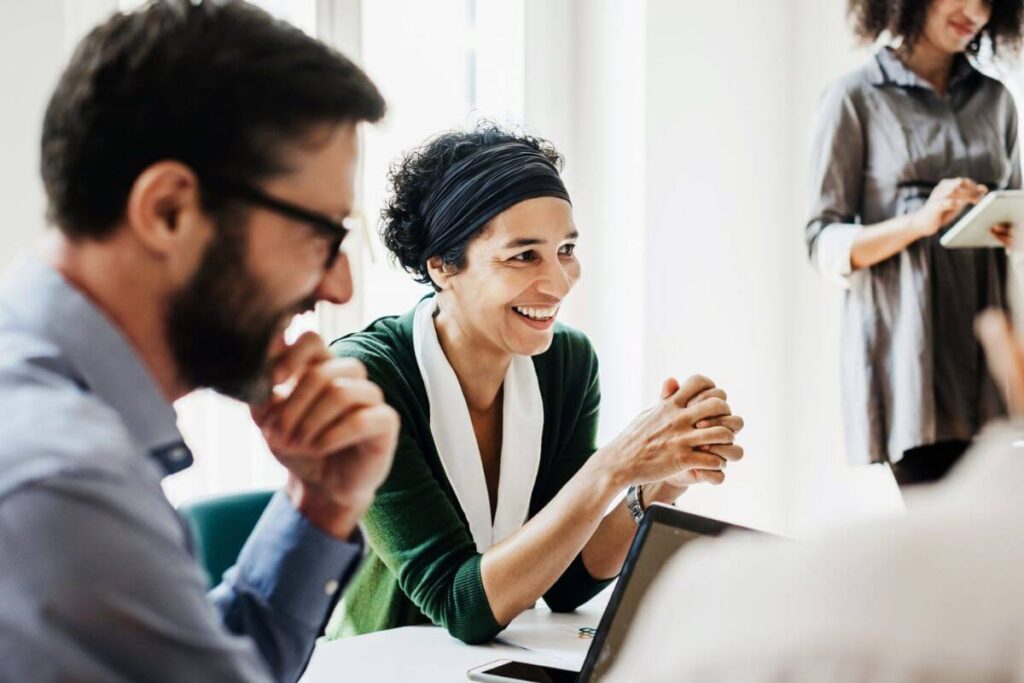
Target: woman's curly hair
<point x="414" y="175"/>
<point x="906" y="19"/>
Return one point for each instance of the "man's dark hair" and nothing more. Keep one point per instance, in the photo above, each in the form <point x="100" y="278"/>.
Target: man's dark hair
<point x="906" y="19"/>
<point x="222" y="87"/>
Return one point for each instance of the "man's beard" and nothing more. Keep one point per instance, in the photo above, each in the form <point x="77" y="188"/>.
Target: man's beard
<point x="219" y="334"/>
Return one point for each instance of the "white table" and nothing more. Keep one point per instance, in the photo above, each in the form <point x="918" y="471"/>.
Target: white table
<point x="427" y="653"/>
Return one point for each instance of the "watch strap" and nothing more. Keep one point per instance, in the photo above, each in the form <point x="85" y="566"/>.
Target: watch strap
<point x="635" y="503"/>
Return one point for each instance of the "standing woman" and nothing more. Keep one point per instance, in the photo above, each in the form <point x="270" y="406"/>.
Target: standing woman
<point x="901" y="146"/>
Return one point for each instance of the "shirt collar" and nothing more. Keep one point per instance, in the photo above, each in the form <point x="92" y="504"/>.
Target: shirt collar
<point x="97" y="356"/>
<point x="888" y="69"/>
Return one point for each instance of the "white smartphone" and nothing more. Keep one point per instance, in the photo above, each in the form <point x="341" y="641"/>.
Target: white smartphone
<point x="506" y="670"/>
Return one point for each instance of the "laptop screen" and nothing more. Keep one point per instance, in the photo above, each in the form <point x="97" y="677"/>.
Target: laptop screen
<point x="663" y="532"/>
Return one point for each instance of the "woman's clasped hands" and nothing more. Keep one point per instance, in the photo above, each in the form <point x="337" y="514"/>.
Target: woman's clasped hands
<point x="688" y="437"/>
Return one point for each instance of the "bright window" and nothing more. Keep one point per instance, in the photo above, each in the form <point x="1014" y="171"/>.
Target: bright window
<point x="440" y="65"/>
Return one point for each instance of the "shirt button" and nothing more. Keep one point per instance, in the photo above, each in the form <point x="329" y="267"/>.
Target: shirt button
<point x="331" y="587"/>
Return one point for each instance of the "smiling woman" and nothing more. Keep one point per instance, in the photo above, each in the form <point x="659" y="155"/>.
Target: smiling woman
<point x="497" y="466"/>
<point x="911" y="20"/>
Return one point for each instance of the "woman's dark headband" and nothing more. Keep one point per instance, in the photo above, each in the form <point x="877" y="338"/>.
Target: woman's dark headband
<point x="479" y="187"/>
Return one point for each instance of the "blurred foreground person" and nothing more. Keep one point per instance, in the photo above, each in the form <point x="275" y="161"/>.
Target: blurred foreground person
<point x="931" y="597"/>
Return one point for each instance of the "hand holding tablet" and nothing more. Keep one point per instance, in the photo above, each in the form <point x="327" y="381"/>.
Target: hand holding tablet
<point x="983" y="224"/>
<point x="948" y="199"/>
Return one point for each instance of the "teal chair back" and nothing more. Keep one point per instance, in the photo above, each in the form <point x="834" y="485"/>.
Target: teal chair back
<point x="220" y="527"/>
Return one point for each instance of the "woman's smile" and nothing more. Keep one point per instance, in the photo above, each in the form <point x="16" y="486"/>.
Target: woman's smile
<point x="537" y="317"/>
<point x="964" y="29"/>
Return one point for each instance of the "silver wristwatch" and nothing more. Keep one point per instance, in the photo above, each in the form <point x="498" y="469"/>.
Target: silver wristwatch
<point x="635" y="502"/>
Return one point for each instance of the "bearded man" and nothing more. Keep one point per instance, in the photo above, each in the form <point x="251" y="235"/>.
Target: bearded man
<point x="199" y="160"/>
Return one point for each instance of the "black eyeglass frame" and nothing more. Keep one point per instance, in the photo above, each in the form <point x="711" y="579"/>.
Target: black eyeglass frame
<point x="326" y="225"/>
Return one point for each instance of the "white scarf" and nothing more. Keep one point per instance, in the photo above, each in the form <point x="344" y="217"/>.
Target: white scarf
<point x="452" y="429"/>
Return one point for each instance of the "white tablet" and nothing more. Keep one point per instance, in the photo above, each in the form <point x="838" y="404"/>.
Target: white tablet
<point x="973" y="229"/>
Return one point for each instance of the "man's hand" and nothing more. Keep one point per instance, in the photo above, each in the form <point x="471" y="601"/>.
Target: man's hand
<point x="329" y="426"/>
<point x="1005" y="355"/>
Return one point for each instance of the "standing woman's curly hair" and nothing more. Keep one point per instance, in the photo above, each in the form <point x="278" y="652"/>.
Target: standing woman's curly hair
<point x="906" y="19"/>
<point x="403" y="228"/>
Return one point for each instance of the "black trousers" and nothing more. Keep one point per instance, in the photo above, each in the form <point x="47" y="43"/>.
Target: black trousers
<point x="929" y="463"/>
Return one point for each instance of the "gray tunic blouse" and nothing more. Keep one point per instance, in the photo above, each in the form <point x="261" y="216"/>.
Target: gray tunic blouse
<point x="912" y="371"/>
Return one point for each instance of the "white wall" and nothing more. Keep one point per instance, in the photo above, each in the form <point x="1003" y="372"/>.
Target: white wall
<point x="679" y="163"/>
<point x="586" y="91"/>
<point x="717" y="197"/>
<point x="31" y="57"/>
<point x="686" y="126"/>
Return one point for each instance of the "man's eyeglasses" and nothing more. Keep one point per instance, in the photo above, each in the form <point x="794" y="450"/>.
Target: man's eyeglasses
<point x="333" y="228"/>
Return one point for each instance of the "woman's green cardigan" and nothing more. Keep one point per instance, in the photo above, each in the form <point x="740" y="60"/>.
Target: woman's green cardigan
<point x="422" y="564"/>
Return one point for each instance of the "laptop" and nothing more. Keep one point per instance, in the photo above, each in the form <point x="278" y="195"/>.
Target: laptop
<point x="662" y="532"/>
